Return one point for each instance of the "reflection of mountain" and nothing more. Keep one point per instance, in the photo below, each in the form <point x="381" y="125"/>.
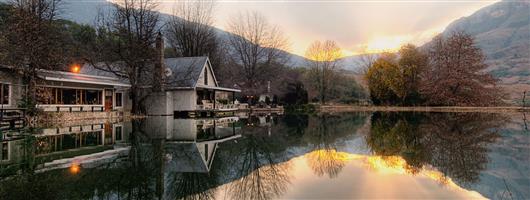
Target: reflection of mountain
<point x="165" y="161"/>
<point x="462" y="146"/>
<point x="514" y="157"/>
<point x="455" y="143"/>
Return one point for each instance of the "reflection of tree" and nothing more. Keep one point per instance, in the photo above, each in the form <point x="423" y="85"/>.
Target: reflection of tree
<point x="258" y="174"/>
<point x="395" y="134"/>
<point x="322" y="134"/>
<point x="459" y="141"/>
<point x="454" y="143"/>
<point x="326" y="161"/>
<point x="296" y="124"/>
<point x="266" y="182"/>
<point x="191" y="186"/>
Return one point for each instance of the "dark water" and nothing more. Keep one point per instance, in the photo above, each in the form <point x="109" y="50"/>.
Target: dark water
<point x="339" y="156"/>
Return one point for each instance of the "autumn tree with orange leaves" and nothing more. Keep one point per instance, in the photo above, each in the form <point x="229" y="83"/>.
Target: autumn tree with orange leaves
<point x="451" y="73"/>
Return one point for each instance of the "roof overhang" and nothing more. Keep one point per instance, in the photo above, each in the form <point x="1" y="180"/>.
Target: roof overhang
<point x="205" y="87"/>
<point x="95" y="82"/>
<point x="219" y="88"/>
<point x="81" y="78"/>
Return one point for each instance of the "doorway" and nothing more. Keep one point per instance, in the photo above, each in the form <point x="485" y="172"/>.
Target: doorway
<point x="108" y="100"/>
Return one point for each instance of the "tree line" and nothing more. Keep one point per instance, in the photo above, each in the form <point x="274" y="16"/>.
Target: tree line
<point x="122" y="42"/>
<point x="449" y="71"/>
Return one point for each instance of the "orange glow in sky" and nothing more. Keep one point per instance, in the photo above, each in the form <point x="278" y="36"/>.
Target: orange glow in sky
<point x="387" y="43"/>
<point x="376" y="25"/>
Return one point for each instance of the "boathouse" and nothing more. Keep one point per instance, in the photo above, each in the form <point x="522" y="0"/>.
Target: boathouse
<point x="190" y="89"/>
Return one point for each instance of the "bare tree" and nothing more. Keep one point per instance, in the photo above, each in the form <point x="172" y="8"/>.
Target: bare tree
<point x="32" y="41"/>
<point x="365" y="60"/>
<point x="256" y="46"/>
<point x="126" y="44"/>
<point x="455" y="76"/>
<point x="323" y="61"/>
<point x="190" y="31"/>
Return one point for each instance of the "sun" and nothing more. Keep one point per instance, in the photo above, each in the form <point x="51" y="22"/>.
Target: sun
<point x="386" y="44"/>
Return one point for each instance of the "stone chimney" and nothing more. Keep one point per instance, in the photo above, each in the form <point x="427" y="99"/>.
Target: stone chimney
<point x="159" y="68"/>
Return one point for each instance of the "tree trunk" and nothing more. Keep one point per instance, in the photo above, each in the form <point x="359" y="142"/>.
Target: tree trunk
<point x="135" y="110"/>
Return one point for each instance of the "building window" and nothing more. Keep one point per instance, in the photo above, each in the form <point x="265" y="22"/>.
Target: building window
<point x="119" y="99"/>
<point x="118" y="131"/>
<point x="4" y="92"/>
<point x="64" y="96"/>
<point x="206" y="76"/>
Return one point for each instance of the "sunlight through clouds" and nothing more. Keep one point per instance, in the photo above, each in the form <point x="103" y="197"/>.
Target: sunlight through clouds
<point x="376" y="25"/>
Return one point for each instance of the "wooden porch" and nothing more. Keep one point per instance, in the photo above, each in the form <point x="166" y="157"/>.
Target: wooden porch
<point x="215" y="100"/>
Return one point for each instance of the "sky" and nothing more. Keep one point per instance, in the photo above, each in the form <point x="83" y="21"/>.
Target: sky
<point x="356" y="25"/>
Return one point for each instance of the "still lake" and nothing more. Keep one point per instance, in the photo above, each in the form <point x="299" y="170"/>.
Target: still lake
<point x="379" y="155"/>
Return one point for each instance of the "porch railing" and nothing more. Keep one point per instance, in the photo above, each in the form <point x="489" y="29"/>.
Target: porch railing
<point x="226" y="106"/>
<point x="218" y="106"/>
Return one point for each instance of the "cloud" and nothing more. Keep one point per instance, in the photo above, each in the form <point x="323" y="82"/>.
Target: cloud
<point x="352" y="23"/>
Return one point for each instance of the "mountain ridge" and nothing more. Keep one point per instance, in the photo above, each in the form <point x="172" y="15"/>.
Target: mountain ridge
<point x="502" y="31"/>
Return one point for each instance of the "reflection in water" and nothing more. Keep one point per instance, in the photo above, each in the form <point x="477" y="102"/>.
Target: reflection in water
<point x="257" y="169"/>
<point x="266" y="182"/>
<point x="404" y="155"/>
<point x="323" y="133"/>
<point x="326" y="161"/>
<point x="454" y="143"/>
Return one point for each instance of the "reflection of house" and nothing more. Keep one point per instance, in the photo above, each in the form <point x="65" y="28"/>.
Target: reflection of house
<point x="80" y="90"/>
<point x="190" y="144"/>
<point x="191" y="87"/>
<point x="65" y="142"/>
<point x="80" y="136"/>
<point x="11" y="151"/>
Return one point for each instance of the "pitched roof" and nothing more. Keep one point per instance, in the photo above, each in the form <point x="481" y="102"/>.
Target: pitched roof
<point x="184" y="71"/>
<point x="186" y="157"/>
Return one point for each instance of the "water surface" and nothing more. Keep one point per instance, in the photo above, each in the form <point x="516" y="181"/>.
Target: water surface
<point x="321" y="156"/>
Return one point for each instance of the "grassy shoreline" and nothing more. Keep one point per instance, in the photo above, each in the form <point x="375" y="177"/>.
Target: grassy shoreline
<point x="352" y="108"/>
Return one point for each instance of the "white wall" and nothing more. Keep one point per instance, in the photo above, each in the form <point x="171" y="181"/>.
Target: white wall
<point x="158" y="127"/>
<point x="211" y="80"/>
<point x="160" y="103"/>
<point x="183" y="129"/>
<point x="184" y="100"/>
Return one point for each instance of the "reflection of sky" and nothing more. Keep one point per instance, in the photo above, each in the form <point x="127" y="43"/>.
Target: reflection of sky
<point x="372" y="177"/>
<point x="365" y="176"/>
<point x="343" y="168"/>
